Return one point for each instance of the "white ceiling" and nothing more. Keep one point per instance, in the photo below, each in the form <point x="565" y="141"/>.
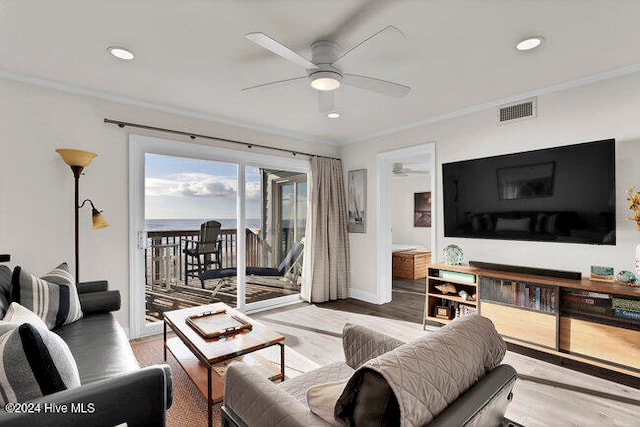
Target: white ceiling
<point x="192" y="54"/>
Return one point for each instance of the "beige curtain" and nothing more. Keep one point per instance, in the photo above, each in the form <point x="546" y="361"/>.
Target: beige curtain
<point x="326" y="261"/>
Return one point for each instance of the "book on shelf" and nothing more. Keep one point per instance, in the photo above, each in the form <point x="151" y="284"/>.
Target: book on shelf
<point x="626" y="314"/>
<point x="626" y="304"/>
<point x="581" y="299"/>
<point x="585" y="308"/>
<point x="457" y="276"/>
<point x="465" y="310"/>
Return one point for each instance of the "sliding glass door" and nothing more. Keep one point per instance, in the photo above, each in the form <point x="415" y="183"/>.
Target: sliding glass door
<point x="191" y="226"/>
<point x="196" y="209"/>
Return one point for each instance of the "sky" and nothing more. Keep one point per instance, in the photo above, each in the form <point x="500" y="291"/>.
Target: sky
<point x="179" y="188"/>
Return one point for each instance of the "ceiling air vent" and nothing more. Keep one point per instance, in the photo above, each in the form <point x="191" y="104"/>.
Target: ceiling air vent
<point x="517" y="111"/>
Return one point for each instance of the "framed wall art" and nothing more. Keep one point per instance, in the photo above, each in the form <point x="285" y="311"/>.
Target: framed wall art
<point x="422" y="209"/>
<point x="357" y="200"/>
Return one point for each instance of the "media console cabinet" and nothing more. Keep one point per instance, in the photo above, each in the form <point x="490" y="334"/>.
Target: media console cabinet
<point x="585" y="320"/>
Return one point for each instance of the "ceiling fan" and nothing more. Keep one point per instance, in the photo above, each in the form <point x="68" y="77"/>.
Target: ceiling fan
<point x="324" y="70"/>
<point x="398" y="169"/>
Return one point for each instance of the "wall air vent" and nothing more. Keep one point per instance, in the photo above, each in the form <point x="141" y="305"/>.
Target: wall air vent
<point x="517" y="111"/>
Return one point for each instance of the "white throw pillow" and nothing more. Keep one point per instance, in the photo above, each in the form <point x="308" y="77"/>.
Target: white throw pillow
<point x="322" y="400"/>
<point x="19" y="314"/>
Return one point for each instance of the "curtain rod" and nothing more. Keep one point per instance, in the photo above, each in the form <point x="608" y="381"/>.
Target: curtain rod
<point x="196" y="135"/>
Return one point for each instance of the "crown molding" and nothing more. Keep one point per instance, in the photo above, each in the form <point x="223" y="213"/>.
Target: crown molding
<point x="617" y="72"/>
<point x="66" y="87"/>
<point x="78" y="90"/>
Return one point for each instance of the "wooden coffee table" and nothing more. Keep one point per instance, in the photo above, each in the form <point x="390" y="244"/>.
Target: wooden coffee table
<point x="198" y="355"/>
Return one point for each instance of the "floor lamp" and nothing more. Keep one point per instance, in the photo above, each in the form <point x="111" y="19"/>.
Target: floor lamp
<point x="78" y="160"/>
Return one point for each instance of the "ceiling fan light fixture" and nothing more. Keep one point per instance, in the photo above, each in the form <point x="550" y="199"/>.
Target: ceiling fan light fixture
<point x="325" y="80"/>
<point x="529" y="43"/>
<point x="333" y="115"/>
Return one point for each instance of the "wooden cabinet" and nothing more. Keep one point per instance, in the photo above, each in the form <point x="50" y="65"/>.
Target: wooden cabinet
<point x="527" y="326"/>
<point x="593" y="322"/>
<point x="411" y="264"/>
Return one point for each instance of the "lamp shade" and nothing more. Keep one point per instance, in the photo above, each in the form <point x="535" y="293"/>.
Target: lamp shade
<point x="76" y="157"/>
<point x="98" y="220"/>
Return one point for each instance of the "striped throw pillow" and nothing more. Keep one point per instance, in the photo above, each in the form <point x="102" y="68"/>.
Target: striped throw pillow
<point x="40" y="363"/>
<point x="53" y="297"/>
<point x="5" y="289"/>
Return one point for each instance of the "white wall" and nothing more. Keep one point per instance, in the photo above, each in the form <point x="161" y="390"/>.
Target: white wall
<point x="36" y="186"/>
<point x="598" y="111"/>
<point x="402" y="191"/>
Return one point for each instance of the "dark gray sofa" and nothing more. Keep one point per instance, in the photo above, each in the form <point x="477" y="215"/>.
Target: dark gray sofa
<point x="114" y="390"/>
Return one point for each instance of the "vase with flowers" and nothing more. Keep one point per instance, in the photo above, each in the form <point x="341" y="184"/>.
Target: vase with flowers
<point x="634" y="205"/>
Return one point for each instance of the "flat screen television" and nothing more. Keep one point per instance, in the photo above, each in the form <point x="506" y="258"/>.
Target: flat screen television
<point x="561" y="194"/>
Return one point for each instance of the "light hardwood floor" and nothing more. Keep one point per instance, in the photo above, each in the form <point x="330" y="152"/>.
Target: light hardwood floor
<point x="544" y="395"/>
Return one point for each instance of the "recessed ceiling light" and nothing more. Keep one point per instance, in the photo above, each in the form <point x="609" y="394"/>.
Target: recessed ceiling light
<point x="120" y="53"/>
<point x="530" y="43"/>
<point x="333" y="115"/>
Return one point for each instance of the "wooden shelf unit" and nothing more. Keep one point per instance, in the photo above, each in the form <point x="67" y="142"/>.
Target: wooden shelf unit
<point x="533" y="311"/>
<point x="435" y="298"/>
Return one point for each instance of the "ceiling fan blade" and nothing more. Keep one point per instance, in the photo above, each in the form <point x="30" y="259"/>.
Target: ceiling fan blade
<point x="326" y="101"/>
<point x="278" y="48"/>
<point x="382" y="87"/>
<point x="378" y="42"/>
<point x="273" y="83"/>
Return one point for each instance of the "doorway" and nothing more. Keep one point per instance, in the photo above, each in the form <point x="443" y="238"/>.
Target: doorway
<point x="418" y="161"/>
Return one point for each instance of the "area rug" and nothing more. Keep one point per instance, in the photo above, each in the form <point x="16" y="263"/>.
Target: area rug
<point x="189" y="406"/>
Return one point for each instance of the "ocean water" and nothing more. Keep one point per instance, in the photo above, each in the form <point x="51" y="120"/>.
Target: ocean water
<point x="194" y="224"/>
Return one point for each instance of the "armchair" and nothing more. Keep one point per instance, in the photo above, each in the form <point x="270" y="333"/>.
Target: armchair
<point x="252" y="400"/>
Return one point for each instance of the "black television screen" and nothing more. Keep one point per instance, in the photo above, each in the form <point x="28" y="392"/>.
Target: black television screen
<point x="562" y="194"/>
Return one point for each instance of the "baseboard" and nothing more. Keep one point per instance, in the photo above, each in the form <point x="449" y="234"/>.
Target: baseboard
<point x="363" y="296"/>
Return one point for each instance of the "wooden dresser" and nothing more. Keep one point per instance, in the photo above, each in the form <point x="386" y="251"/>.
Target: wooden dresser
<point x="411" y="264"/>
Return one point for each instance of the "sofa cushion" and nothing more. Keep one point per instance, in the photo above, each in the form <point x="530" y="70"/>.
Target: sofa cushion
<point x="5" y="289"/>
<point x="322" y="400"/>
<point x="53" y="297"/>
<point x="100" y="347"/>
<point x="298" y="386"/>
<point x="35" y="363"/>
<point x="19" y="315"/>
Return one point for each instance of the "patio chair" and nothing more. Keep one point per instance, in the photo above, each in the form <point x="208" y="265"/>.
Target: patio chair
<point x="291" y="264"/>
<point x="204" y="254"/>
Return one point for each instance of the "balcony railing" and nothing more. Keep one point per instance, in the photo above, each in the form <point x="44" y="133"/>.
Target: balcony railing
<point x="164" y="256"/>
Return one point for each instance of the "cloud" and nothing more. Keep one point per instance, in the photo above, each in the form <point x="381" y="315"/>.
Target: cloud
<point x="198" y="185"/>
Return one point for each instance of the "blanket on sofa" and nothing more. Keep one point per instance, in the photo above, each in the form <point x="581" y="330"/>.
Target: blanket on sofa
<point x="428" y="374"/>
